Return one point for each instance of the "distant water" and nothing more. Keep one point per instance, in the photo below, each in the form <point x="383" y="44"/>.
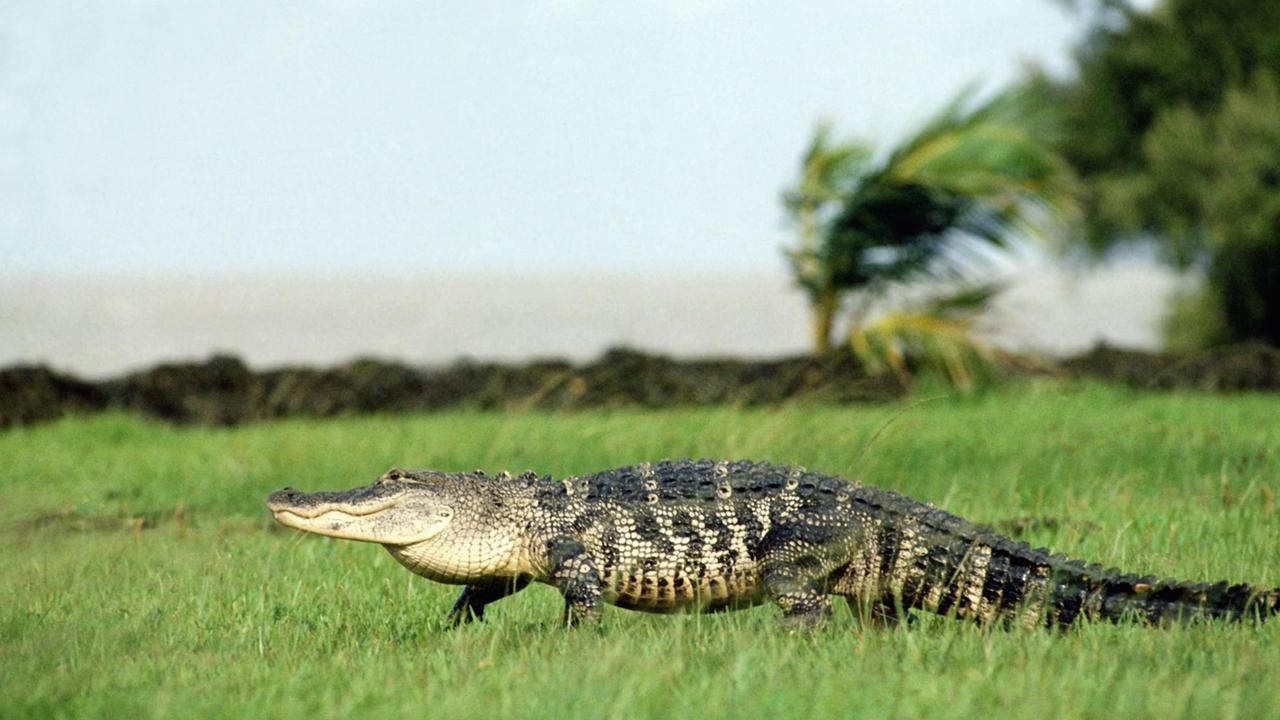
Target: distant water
<point x="101" y="327"/>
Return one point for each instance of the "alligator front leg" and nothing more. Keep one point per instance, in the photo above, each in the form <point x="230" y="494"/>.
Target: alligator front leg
<point x="575" y="574"/>
<point x="472" y="600"/>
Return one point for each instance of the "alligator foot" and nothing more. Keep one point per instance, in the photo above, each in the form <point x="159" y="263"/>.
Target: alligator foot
<point x="883" y="614"/>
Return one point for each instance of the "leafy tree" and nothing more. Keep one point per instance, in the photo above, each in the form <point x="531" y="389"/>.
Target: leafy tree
<point x="1172" y="124"/>
<point x="1213" y="183"/>
<point x="974" y="177"/>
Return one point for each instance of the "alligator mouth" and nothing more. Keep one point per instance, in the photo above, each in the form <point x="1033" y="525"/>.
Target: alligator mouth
<point x="350" y="511"/>
<point x="358" y="503"/>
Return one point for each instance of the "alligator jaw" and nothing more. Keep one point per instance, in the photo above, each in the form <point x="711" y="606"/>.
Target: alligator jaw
<point x="332" y="523"/>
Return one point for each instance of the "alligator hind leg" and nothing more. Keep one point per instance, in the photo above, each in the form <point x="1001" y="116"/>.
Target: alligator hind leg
<point x="472" y="600"/>
<point x="796" y="561"/>
<point x="793" y="579"/>
<point x="804" y="605"/>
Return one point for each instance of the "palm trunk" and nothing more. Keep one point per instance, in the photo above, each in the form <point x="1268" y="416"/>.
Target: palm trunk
<point x="824" y="313"/>
<point x="823" y="300"/>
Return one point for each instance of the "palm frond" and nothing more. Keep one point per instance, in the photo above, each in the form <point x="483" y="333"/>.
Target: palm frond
<point x="998" y="153"/>
<point x="938" y="335"/>
<point x="975" y="170"/>
<point x="907" y="342"/>
<point x="966" y="301"/>
<point x="828" y="171"/>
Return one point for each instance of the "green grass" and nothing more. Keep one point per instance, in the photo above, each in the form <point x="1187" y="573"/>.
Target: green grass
<point x="143" y="578"/>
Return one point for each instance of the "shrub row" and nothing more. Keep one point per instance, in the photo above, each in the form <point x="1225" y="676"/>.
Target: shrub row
<point x="224" y="391"/>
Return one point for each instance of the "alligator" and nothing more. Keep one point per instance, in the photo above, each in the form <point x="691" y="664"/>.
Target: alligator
<point x="706" y="536"/>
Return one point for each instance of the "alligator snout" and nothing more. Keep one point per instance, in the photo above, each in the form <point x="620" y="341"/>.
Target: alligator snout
<point x="358" y="502"/>
<point x="284" y="496"/>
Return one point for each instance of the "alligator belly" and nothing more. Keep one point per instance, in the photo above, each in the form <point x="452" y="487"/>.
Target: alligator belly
<point x="680" y="592"/>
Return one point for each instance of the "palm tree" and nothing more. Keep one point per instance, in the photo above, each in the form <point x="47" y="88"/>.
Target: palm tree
<point x="974" y="178"/>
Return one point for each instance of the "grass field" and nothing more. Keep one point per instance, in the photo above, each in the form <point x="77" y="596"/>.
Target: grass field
<point x="142" y="576"/>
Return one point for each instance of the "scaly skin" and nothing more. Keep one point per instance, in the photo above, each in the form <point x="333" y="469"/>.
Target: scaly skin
<point x="708" y="536"/>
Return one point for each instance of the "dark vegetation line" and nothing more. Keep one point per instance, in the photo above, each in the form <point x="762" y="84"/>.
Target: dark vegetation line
<point x="224" y="391"/>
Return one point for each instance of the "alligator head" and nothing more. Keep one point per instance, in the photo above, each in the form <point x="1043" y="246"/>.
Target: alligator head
<point x="400" y="508"/>
<point x="450" y="527"/>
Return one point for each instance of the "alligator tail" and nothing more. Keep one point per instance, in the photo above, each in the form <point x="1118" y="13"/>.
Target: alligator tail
<point x="1006" y="580"/>
<point x="1081" y="592"/>
<point x="916" y="556"/>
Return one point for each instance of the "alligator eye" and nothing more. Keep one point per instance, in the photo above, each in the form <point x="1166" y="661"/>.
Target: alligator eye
<point x="394" y="474"/>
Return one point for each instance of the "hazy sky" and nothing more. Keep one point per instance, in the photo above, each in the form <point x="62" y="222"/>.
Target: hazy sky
<point x="383" y="137"/>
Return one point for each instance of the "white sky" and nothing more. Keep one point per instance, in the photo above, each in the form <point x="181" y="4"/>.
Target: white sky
<point x="553" y="136"/>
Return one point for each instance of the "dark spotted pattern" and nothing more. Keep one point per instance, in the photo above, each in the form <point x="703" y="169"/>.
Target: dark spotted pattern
<point x="702" y="535"/>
